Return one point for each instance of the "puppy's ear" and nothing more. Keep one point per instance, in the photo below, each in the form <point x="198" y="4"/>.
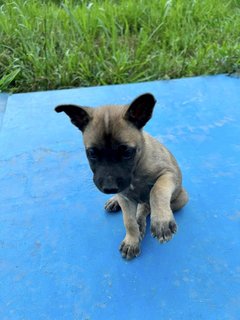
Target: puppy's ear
<point x="140" y="110"/>
<point x="79" y="116"/>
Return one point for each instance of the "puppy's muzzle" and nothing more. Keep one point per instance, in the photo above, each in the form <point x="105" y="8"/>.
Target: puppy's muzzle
<point x="111" y="185"/>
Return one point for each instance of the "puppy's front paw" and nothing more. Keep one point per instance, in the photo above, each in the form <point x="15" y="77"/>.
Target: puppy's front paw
<point x="112" y="205"/>
<point x="129" y="250"/>
<point x="163" y="230"/>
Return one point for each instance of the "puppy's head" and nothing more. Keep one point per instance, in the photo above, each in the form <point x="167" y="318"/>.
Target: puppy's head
<point x="113" y="139"/>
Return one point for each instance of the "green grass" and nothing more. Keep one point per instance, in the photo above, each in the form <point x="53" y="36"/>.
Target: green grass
<point x="60" y="44"/>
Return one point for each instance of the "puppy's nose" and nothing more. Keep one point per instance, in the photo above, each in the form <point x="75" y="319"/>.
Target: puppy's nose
<point x="109" y="184"/>
<point x="110" y="190"/>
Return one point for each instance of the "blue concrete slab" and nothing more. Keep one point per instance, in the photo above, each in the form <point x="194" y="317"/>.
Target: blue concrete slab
<point x="59" y="254"/>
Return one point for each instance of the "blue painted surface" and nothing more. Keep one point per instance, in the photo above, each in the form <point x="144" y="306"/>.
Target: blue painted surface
<point x="59" y="254"/>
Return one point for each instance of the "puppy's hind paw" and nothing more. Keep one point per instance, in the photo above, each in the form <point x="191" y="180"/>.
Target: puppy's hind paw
<point x="112" y="205"/>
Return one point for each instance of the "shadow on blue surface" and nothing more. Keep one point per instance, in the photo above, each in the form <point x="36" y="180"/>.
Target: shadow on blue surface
<point x="59" y="254"/>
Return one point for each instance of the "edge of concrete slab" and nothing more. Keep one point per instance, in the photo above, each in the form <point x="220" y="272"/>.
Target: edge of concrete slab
<point x="3" y="106"/>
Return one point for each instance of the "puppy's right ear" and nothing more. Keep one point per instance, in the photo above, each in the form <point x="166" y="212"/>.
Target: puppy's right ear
<point x="79" y="116"/>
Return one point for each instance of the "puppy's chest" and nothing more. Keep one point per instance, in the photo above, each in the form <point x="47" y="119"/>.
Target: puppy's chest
<point x="139" y="190"/>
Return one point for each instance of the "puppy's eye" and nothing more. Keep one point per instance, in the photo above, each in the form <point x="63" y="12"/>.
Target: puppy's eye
<point x="92" y="153"/>
<point x="127" y="152"/>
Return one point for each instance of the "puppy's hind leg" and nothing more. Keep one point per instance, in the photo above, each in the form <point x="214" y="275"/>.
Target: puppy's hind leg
<point x="112" y="205"/>
<point x="180" y="200"/>
<point x="143" y="210"/>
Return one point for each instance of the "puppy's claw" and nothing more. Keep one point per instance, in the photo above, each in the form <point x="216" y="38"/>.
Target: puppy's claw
<point x="173" y="226"/>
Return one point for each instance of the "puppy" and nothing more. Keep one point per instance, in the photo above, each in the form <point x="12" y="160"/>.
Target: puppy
<point x="128" y="162"/>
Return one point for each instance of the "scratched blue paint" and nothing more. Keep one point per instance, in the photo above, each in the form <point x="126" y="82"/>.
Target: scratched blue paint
<point x="59" y="254"/>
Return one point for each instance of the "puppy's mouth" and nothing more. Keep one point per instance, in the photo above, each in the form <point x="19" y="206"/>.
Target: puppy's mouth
<point x="117" y="187"/>
<point x="110" y="191"/>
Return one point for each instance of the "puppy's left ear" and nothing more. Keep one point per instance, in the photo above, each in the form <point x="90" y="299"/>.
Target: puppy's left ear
<point x="140" y="110"/>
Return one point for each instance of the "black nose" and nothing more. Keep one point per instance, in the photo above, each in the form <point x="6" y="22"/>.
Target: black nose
<point x="108" y="190"/>
<point x="108" y="184"/>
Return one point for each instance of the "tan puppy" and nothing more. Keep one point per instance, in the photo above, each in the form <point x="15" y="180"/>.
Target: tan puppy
<point x="128" y="162"/>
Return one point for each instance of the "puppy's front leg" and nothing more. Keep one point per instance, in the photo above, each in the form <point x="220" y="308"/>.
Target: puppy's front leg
<point x="130" y="246"/>
<point x="163" y="224"/>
